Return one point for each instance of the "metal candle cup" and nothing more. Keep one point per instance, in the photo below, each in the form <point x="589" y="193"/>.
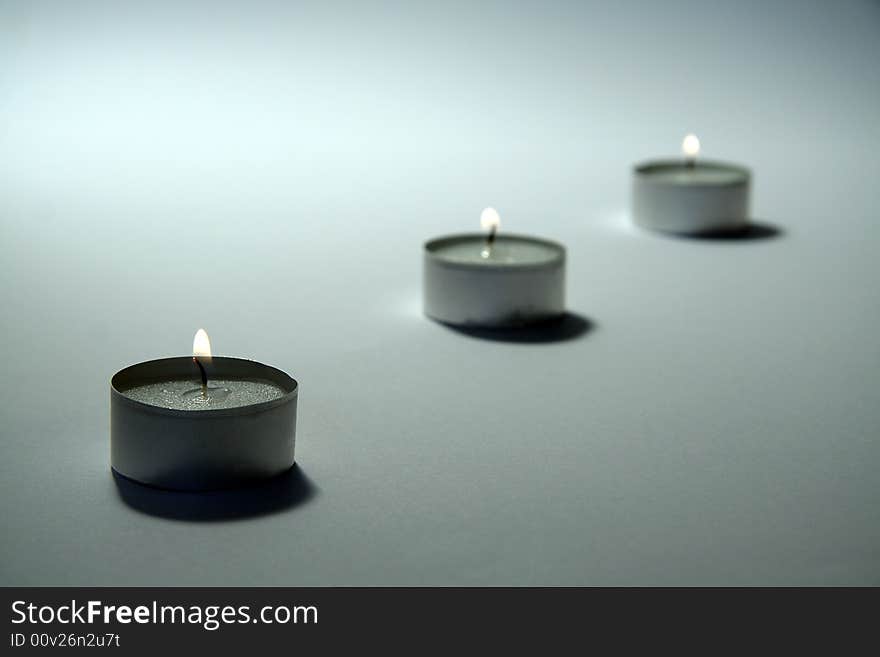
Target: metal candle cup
<point x="522" y="282"/>
<point x="677" y="196"/>
<point x="207" y="448"/>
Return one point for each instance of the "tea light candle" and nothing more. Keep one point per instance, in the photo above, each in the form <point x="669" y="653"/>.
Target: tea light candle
<point x="201" y="422"/>
<point x="493" y="280"/>
<point x="689" y="196"/>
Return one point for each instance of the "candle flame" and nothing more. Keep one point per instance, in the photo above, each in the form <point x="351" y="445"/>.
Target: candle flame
<point x="490" y="219"/>
<point x="690" y="146"/>
<point x="202" y="346"/>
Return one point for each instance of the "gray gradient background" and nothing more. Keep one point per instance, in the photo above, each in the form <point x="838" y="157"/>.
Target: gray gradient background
<point x="270" y="171"/>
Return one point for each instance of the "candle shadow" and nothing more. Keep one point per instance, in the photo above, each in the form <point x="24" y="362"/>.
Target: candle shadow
<point x="281" y="493"/>
<point x="753" y="231"/>
<point x="569" y="326"/>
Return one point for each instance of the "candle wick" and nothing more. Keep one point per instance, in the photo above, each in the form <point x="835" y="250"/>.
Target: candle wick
<point x="690" y="162"/>
<point x="203" y="374"/>
<point x="490" y="240"/>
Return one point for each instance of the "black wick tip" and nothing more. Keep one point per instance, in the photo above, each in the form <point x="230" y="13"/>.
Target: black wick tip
<point x="202" y="372"/>
<point x="490" y="238"/>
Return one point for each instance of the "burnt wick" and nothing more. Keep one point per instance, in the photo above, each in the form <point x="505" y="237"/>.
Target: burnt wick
<point x="490" y="240"/>
<point x="204" y="376"/>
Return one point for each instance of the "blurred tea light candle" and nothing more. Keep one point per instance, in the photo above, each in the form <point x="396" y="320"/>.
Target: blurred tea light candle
<point x="202" y="421"/>
<point x="691" y="195"/>
<point x="493" y="279"/>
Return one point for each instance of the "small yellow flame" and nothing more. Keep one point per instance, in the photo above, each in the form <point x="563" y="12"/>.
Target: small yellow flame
<point x="489" y="219"/>
<point x="202" y="346"/>
<point x="690" y="146"/>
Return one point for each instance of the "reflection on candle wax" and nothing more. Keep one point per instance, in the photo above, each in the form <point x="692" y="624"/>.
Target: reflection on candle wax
<point x="497" y="253"/>
<point x="213" y="395"/>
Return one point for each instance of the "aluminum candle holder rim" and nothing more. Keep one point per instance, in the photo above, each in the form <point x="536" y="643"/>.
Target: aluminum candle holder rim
<point x="431" y="247"/>
<point x="644" y="169"/>
<point x="161" y="369"/>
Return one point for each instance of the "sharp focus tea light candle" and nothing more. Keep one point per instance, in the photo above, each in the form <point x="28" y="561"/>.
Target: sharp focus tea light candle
<point x="493" y="280"/>
<point x="691" y="196"/>
<point x="202" y="422"/>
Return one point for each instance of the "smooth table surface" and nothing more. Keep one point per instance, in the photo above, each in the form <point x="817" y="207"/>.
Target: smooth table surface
<point x="709" y="414"/>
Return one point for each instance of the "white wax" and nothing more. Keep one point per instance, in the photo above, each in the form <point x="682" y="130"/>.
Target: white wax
<point x="183" y="394"/>
<point x="507" y="250"/>
<point x="697" y="175"/>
